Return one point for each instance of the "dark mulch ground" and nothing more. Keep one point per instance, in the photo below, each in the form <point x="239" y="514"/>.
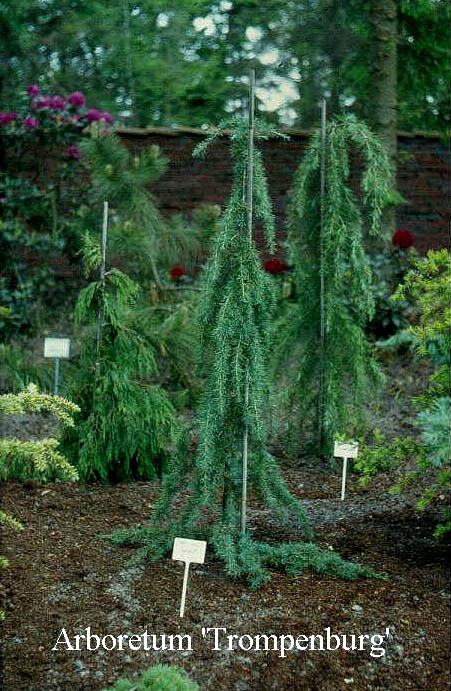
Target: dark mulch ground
<point x="62" y="576"/>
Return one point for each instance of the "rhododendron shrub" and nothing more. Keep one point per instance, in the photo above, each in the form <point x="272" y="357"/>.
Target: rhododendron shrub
<point x="58" y="118"/>
<point x="41" y="185"/>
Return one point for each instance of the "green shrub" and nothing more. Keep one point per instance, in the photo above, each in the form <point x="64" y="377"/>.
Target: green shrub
<point x="435" y="425"/>
<point x="127" y="421"/>
<point x="383" y="457"/>
<point x="158" y="678"/>
<point x="428" y="286"/>
<point x="35" y="459"/>
<point x="17" y="369"/>
<point x="390" y="266"/>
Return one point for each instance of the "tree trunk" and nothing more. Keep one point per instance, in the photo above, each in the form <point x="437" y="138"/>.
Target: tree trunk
<point x="384" y="20"/>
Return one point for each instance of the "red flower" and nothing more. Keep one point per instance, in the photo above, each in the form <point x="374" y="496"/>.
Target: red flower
<point x="402" y="238"/>
<point x="275" y="266"/>
<point x="177" y="272"/>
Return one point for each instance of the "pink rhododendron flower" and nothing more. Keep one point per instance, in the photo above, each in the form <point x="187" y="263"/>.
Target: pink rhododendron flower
<point x="107" y="117"/>
<point x="93" y="115"/>
<point x="7" y="118"/>
<point x="77" y="99"/>
<point x="57" y="103"/>
<point x="33" y="90"/>
<point x="43" y="102"/>
<point x="73" y="152"/>
<point x="31" y="123"/>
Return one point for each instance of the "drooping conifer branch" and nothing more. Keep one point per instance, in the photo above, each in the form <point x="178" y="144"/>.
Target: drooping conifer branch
<point x="326" y="246"/>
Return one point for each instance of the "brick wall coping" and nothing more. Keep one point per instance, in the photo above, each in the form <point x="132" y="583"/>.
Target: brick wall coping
<point x="196" y="131"/>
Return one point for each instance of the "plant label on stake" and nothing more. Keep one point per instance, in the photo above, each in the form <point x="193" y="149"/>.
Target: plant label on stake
<point x="57" y="348"/>
<point x="345" y="450"/>
<point x="189" y="551"/>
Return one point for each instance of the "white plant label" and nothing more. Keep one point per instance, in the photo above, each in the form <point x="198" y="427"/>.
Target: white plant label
<point x="191" y="552"/>
<point x="345" y="450"/>
<point x="57" y="347"/>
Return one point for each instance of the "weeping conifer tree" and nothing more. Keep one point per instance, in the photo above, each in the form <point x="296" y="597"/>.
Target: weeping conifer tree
<point x="234" y="321"/>
<point x="324" y="327"/>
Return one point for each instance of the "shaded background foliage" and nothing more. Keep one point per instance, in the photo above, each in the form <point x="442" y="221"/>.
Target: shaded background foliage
<point x="119" y="53"/>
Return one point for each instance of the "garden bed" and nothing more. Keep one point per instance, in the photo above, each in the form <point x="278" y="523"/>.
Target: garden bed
<point x="63" y="576"/>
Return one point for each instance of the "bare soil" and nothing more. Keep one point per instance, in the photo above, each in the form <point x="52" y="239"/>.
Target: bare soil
<point x="62" y="575"/>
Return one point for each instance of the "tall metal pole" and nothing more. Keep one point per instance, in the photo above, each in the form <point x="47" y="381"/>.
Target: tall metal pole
<point x="249" y="205"/>
<point x="321" y="274"/>
<point x="102" y="278"/>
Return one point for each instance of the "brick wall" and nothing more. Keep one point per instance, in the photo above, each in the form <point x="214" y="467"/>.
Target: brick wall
<point x="423" y="177"/>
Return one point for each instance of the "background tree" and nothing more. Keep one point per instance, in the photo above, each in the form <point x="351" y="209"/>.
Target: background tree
<point x="234" y="320"/>
<point x="120" y="52"/>
<point x="384" y="21"/>
<point x="127" y="422"/>
<point x="152" y="248"/>
<point x="330" y="381"/>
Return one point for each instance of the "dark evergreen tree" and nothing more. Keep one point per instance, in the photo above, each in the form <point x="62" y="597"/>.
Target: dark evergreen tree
<point x="334" y="374"/>
<point x="149" y="245"/>
<point x="126" y="423"/>
<point x="234" y="320"/>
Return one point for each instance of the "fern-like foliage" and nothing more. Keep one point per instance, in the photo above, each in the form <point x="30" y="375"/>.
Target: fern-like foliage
<point x="17" y="370"/>
<point x="335" y="253"/>
<point x="127" y="420"/>
<point x="234" y="320"/>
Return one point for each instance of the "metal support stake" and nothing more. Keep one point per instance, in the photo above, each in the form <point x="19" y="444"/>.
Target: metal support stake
<point x="102" y="280"/>
<point x="185" y="583"/>
<point x="57" y="375"/>
<point x="343" y="478"/>
<point x="249" y="205"/>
